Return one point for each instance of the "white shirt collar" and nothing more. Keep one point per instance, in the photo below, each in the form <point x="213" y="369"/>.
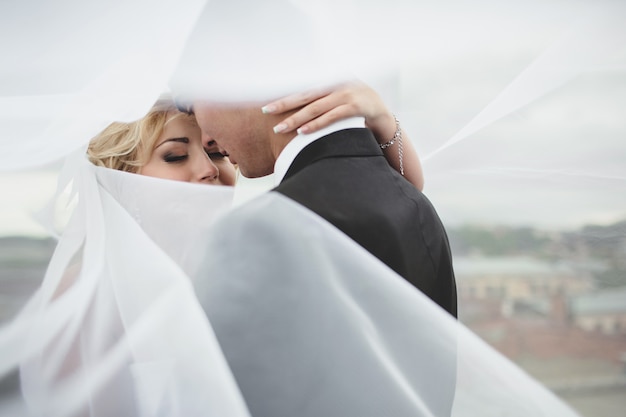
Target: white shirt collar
<point x="297" y="144"/>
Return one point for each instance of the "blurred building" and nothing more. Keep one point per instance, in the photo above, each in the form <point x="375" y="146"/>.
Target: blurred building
<point x="520" y="283"/>
<point x="602" y="311"/>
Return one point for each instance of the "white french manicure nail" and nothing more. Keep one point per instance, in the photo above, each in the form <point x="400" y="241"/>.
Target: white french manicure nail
<point x="280" y="127"/>
<point x="268" y="109"/>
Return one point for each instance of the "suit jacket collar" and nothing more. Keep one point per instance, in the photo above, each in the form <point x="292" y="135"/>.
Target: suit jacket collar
<point x="343" y="143"/>
<point x="301" y="141"/>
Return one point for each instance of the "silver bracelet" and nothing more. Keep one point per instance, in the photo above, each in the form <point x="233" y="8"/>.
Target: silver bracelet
<point x="397" y="136"/>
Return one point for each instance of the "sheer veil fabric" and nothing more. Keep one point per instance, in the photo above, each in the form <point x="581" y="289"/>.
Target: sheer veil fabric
<point x="116" y="327"/>
<point x="324" y="328"/>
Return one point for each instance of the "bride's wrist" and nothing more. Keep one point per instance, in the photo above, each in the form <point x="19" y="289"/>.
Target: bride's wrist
<point x="383" y="127"/>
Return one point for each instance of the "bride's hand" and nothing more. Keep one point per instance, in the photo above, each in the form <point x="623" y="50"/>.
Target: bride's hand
<point x="317" y="109"/>
<point x="322" y="107"/>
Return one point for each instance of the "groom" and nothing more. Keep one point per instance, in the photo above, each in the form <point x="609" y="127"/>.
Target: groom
<point x="310" y="325"/>
<point x="340" y="173"/>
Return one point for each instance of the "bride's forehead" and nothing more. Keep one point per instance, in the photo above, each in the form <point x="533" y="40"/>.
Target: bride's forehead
<point x="180" y="130"/>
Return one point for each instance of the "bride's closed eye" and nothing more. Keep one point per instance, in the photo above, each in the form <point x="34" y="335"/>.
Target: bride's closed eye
<point x="172" y="158"/>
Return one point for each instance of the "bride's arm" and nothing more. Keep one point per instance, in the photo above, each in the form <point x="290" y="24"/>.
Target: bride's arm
<point x="320" y="108"/>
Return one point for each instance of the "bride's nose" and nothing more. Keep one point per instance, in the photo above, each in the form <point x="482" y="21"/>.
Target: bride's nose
<point x="205" y="170"/>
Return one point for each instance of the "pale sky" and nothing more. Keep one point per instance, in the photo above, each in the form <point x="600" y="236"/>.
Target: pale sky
<point x="553" y="159"/>
<point x="558" y="163"/>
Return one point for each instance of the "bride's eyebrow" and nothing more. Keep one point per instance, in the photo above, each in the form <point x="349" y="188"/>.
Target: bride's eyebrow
<point x="180" y="140"/>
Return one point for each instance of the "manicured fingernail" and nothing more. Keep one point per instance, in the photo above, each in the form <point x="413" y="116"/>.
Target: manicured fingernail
<point x="280" y="127"/>
<point x="268" y="109"/>
<point x="303" y="130"/>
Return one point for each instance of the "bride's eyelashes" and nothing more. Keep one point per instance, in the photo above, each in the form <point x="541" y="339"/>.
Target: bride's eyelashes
<point x="171" y="158"/>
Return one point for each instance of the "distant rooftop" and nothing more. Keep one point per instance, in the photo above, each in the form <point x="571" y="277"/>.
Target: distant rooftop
<point x="606" y="301"/>
<point x="509" y="265"/>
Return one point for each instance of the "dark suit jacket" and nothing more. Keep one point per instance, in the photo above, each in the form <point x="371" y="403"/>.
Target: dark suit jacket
<point x="345" y="178"/>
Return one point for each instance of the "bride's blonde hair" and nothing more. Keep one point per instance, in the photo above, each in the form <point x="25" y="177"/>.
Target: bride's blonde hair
<point x="128" y="146"/>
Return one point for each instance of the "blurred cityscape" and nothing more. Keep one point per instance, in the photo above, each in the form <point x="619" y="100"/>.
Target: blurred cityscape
<point x="23" y="262"/>
<point x="553" y="302"/>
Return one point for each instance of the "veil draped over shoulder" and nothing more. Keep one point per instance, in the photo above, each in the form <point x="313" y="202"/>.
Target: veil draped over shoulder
<point x="115" y="327"/>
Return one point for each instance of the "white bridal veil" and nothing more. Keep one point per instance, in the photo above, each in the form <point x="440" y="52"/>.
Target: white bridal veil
<point x="116" y="329"/>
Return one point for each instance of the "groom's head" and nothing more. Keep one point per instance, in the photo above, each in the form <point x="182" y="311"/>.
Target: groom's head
<point x="244" y="132"/>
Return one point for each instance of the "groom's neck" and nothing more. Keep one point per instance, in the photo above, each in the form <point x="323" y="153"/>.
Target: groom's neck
<point x="279" y="140"/>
